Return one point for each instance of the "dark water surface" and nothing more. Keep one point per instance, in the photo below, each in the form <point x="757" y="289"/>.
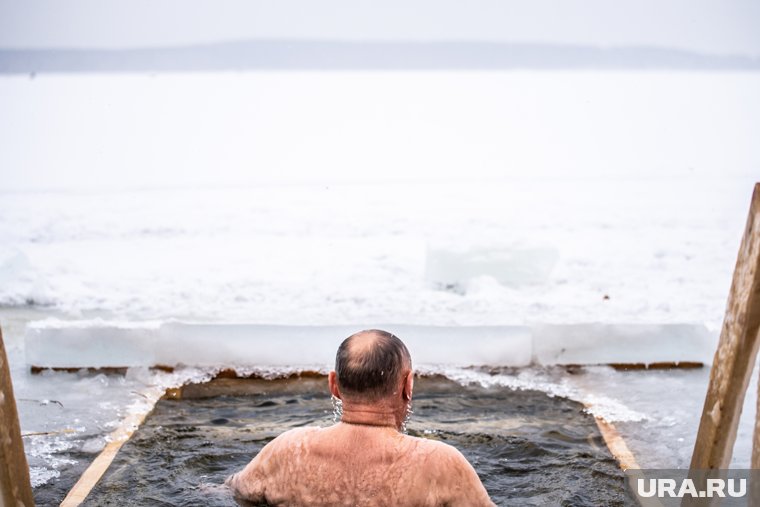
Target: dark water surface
<point x="528" y="448"/>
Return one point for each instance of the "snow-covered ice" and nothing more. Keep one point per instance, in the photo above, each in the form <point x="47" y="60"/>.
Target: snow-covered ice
<point x="596" y="215"/>
<point x="634" y="251"/>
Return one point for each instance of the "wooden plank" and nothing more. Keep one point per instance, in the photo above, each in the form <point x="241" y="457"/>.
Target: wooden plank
<point x="616" y="445"/>
<point x="735" y="357"/>
<point x="625" y="458"/>
<point x="15" y="486"/>
<point x="116" y="440"/>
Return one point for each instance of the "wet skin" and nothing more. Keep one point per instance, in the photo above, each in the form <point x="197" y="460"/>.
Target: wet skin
<point x="362" y="461"/>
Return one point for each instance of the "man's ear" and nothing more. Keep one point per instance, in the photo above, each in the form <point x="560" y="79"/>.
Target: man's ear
<point x="408" y="386"/>
<point x="332" y="381"/>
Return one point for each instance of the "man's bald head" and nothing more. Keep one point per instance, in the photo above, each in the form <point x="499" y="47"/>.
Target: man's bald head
<point x="370" y="364"/>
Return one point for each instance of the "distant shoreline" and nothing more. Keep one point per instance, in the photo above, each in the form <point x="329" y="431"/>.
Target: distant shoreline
<point x="347" y="55"/>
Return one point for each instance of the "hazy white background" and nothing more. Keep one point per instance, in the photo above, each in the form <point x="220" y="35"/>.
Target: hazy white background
<point x="443" y="168"/>
<point x="446" y="198"/>
<point x="710" y="26"/>
<point x="141" y="131"/>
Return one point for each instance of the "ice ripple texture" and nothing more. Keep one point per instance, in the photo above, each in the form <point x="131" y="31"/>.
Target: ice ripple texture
<point x="512" y="253"/>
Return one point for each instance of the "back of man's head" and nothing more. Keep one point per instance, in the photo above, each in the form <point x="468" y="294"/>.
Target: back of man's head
<point x="370" y="364"/>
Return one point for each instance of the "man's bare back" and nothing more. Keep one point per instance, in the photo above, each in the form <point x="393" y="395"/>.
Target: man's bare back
<point x="307" y="466"/>
<point x="364" y="460"/>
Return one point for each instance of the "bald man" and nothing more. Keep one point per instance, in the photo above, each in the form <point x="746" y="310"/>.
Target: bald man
<point x="364" y="460"/>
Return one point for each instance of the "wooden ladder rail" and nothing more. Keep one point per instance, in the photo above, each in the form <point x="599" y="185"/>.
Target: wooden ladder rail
<point x="15" y="486"/>
<point x="735" y="357"/>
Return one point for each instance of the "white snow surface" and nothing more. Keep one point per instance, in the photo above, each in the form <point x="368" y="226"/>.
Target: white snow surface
<point x="578" y="205"/>
<point x="632" y="251"/>
<point x="439" y="198"/>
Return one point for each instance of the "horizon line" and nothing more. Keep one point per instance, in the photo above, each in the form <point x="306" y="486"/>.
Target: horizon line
<point x="316" y="54"/>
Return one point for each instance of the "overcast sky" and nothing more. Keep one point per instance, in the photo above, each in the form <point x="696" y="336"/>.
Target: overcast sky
<point x="713" y="26"/>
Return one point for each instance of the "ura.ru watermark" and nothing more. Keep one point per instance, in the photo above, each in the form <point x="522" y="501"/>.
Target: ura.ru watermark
<point x="697" y="488"/>
<point x="709" y="488"/>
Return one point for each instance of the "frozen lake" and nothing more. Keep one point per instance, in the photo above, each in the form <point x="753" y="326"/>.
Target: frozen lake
<point x="507" y="198"/>
<point x="504" y="197"/>
<point x="560" y="251"/>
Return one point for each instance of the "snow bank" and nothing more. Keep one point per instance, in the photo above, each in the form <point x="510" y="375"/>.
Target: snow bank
<point x="617" y="343"/>
<point x="99" y="344"/>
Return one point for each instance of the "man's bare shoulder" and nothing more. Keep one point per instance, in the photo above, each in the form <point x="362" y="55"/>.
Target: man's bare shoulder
<point x="299" y="433"/>
<point x="284" y="443"/>
<point x="250" y="481"/>
<point x="427" y="445"/>
<point x="447" y="468"/>
<point x="293" y="437"/>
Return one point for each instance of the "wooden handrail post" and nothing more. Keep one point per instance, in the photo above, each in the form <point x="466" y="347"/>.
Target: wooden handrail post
<point x="15" y="487"/>
<point x="735" y="357"/>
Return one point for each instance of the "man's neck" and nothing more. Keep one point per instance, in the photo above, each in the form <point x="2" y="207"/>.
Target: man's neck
<point x="371" y="415"/>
